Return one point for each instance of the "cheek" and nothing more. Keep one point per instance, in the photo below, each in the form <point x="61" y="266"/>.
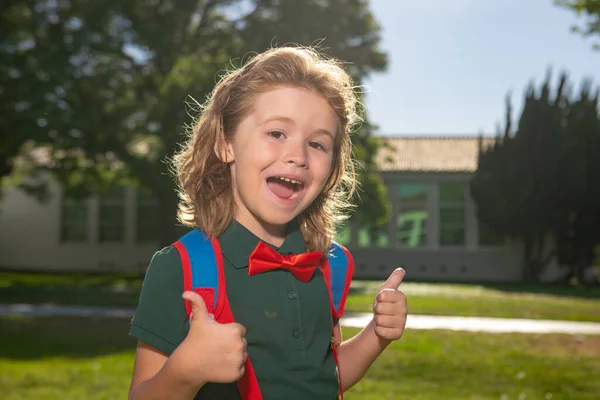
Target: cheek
<point x="324" y="169"/>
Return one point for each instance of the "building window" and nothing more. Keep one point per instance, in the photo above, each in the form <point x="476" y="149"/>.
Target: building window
<point x="147" y="214"/>
<point x="74" y="222"/>
<point x="411" y="222"/>
<point x="112" y="215"/>
<point x="452" y="213"/>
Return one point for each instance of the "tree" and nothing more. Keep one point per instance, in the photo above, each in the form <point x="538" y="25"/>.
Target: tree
<point x="578" y="235"/>
<point x="103" y="86"/>
<point x="537" y="184"/>
<point x="515" y="186"/>
<point x="591" y="10"/>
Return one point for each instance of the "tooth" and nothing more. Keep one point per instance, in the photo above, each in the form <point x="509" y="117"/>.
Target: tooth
<point x="293" y="196"/>
<point x="282" y="178"/>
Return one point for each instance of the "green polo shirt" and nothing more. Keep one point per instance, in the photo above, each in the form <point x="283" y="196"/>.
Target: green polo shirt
<point x="288" y="322"/>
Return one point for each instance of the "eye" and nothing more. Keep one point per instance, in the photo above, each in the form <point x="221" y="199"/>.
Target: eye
<point x="276" y="134"/>
<point x="317" y="145"/>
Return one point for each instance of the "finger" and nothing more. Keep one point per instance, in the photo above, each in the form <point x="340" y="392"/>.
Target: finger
<point x="389" y="333"/>
<point x="386" y="308"/>
<point x="390" y="296"/>
<point x="238" y="329"/>
<point x="199" y="311"/>
<point x="395" y="279"/>
<point x="388" y="321"/>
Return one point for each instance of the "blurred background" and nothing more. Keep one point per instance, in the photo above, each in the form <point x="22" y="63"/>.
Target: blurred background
<point x="480" y="157"/>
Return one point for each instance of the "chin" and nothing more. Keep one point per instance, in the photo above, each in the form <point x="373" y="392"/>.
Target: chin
<point x="278" y="218"/>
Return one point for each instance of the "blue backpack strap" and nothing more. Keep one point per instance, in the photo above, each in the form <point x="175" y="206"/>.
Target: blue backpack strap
<point x="201" y="267"/>
<point x="341" y="265"/>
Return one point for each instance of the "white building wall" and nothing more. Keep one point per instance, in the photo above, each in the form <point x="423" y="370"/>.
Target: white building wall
<point x="456" y="265"/>
<point x="30" y="237"/>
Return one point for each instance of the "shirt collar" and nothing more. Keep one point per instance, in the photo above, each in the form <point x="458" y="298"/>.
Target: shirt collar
<point x="237" y="243"/>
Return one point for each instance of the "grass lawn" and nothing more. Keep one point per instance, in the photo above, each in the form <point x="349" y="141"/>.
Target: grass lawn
<point x="68" y="359"/>
<point x="511" y="301"/>
<point x="70" y="288"/>
<point x="507" y="301"/>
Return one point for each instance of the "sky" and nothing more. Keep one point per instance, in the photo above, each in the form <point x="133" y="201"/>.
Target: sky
<point x="452" y="62"/>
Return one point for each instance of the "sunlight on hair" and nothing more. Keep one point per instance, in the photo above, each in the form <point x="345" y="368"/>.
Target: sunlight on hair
<point x="204" y="180"/>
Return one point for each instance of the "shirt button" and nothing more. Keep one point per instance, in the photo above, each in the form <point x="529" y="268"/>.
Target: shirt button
<point x="292" y="295"/>
<point x="296" y="333"/>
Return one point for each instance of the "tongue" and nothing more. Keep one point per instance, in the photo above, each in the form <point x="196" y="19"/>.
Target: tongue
<point x="280" y="188"/>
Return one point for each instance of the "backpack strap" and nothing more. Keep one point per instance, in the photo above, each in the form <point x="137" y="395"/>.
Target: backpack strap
<point x="338" y="269"/>
<point x="203" y="272"/>
<point x="202" y="264"/>
<point x="341" y="270"/>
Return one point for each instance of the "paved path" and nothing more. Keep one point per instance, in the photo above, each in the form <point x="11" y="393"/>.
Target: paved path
<point x="481" y="324"/>
<point x="357" y="320"/>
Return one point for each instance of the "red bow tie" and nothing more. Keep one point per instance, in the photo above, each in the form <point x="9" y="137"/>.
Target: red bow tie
<point x="264" y="258"/>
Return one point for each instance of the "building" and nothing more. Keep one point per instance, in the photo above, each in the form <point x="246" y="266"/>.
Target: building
<point x="433" y="231"/>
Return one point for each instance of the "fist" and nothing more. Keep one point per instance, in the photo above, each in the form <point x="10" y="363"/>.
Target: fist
<point x="390" y="308"/>
<point x="211" y="352"/>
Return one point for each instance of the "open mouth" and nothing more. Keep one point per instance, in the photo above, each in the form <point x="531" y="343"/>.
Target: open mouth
<point x="285" y="188"/>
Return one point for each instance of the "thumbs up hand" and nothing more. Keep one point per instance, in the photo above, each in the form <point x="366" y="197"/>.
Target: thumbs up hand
<point x="390" y="308"/>
<point x="211" y="352"/>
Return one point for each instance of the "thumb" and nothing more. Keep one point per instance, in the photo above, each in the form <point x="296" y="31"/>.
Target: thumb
<point x="395" y="279"/>
<point x="199" y="311"/>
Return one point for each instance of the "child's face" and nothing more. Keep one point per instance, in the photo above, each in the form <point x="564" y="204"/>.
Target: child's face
<point x="282" y="155"/>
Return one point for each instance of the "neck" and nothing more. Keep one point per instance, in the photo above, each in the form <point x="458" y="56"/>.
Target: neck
<point x="274" y="235"/>
<point x="268" y="233"/>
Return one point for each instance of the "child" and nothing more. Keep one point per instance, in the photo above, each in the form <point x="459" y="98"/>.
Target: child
<point x="267" y="167"/>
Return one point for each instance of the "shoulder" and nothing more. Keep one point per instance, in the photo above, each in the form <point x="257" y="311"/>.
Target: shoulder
<point x="166" y="254"/>
<point x="166" y="262"/>
<point x="160" y="309"/>
<point x="164" y="276"/>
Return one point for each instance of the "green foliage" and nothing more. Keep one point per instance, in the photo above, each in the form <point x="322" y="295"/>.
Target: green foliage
<point x="102" y="87"/>
<point x="537" y="184"/>
<point x="590" y="9"/>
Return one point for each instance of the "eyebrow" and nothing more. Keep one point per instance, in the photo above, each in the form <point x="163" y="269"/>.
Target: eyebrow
<point x="277" y="118"/>
<point x="290" y="121"/>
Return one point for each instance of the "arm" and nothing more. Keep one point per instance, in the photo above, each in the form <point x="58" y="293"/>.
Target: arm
<point x="356" y="355"/>
<point x="157" y="327"/>
<point x="155" y="377"/>
<point x="211" y="352"/>
<point x="172" y="361"/>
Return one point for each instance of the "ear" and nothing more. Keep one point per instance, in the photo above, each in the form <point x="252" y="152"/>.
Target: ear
<point x="223" y="149"/>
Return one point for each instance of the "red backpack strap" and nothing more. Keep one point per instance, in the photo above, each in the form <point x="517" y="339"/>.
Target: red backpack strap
<point x="341" y="270"/>
<point x="203" y="272"/>
<point x="202" y="269"/>
<point x="338" y="269"/>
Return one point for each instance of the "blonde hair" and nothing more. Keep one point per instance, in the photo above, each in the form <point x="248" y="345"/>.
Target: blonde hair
<point x="204" y="181"/>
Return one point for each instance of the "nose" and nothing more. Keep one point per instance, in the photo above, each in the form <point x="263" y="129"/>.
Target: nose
<point x="296" y="153"/>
